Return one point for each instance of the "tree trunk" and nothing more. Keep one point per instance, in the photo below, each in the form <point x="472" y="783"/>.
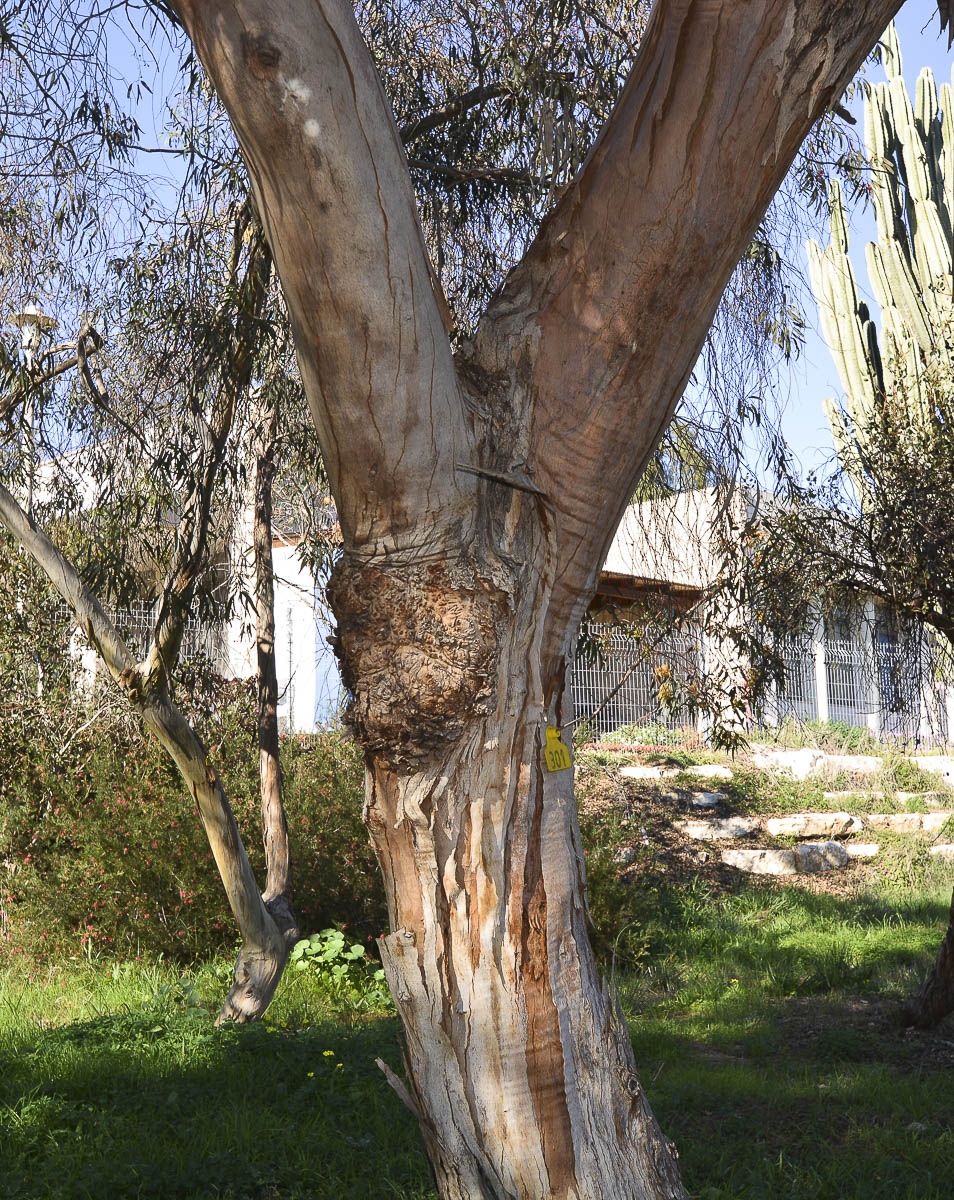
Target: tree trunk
<point x="520" y="1065"/>
<point x="278" y="880"/>
<point x="477" y="505"/>
<point x="264" y="949"/>
<point x="935" y="998"/>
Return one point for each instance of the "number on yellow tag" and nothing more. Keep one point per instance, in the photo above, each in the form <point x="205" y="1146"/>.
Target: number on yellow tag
<point x="556" y="754"/>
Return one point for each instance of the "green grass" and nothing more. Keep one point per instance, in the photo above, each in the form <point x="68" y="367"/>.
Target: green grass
<point x="763" y="1029"/>
<point x="136" y="1094"/>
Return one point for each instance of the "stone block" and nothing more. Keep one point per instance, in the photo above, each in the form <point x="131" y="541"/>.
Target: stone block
<point x="814" y="824"/>
<point x="641" y="772"/>
<point x="705" y="800"/>
<point x="720" y="828"/>
<point x="709" y="771"/>
<point x="761" y="862"/>
<point x="812" y="857"/>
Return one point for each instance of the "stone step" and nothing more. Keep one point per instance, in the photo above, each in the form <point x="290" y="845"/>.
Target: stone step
<point x="705" y="800"/>
<point x="936" y="764"/>
<point x="861" y="849"/>
<point x="814" y="824"/>
<point x="709" y="771"/>
<point x="931" y="799"/>
<point x="701" y="771"/>
<point x="808" y="858"/>
<point x="931" y="822"/>
<point x="720" y="828"/>
<point x="807" y="761"/>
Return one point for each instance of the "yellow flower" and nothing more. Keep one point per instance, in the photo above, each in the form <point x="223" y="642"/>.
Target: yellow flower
<point x="328" y="1053"/>
<point x="311" y="1074"/>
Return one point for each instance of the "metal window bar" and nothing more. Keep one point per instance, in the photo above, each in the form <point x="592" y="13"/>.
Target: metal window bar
<point x="845" y="677"/>
<point x="624" y="688"/>
<point x="798" y="696"/>
<point x="135" y="623"/>
<point x="900" y="671"/>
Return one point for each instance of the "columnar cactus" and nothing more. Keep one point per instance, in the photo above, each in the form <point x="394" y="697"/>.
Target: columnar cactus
<point x="911" y="149"/>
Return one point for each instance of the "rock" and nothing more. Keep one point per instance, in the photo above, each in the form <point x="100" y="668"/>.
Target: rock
<point x="716" y="829"/>
<point x="809" y="857"/>
<point x="807" y="761"/>
<point x="937" y="764"/>
<point x="896" y="822"/>
<point x="944" y="850"/>
<point x="761" y="862"/>
<point x="812" y="857"/>
<point x="801" y="763"/>
<point x="931" y="799"/>
<point x="709" y="771"/>
<point x="705" y="799"/>
<point x="908" y="822"/>
<point x="814" y="824"/>
<point x="641" y="772"/>
<point x="861" y="849"/>
<point x="855" y="764"/>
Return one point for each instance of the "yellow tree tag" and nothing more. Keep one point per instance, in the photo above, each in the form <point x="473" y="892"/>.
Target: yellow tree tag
<point x="556" y="754"/>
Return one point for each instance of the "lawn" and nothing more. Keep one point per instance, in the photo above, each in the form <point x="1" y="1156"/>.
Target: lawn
<point x="763" y="1024"/>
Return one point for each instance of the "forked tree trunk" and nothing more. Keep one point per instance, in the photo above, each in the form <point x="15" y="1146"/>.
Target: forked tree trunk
<point x="477" y="505"/>
<point x="934" y="999"/>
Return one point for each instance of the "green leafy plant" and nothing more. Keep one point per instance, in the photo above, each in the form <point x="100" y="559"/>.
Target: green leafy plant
<point x="343" y="967"/>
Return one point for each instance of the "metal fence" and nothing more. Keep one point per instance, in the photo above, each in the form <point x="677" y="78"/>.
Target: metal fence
<point x="628" y="681"/>
<point x="135" y="624"/>
<point x="625" y="681"/>
<point x="901" y="674"/>
<point x="798" y="697"/>
<point x="845" y="677"/>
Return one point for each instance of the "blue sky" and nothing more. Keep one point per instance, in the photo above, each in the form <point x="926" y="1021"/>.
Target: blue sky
<point x="813" y="376"/>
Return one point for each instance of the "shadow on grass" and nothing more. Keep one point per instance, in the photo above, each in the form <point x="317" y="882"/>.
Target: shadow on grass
<point x="164" y="1105"/>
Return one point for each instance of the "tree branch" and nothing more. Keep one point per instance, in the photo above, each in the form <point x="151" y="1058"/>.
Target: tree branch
<point x="264" y="948"/>
<point x="413" y="130"/>
<point x="601" y="323"/>
<point x="331" y="182"/>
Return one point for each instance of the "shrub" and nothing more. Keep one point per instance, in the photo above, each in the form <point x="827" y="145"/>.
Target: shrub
<point x="101" y="852"/>
<point x="620" y="905"/>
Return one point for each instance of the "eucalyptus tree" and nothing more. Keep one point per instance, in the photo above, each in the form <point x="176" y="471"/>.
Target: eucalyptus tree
<point x="477" y="498"/>
<point x="478" y="477"/>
